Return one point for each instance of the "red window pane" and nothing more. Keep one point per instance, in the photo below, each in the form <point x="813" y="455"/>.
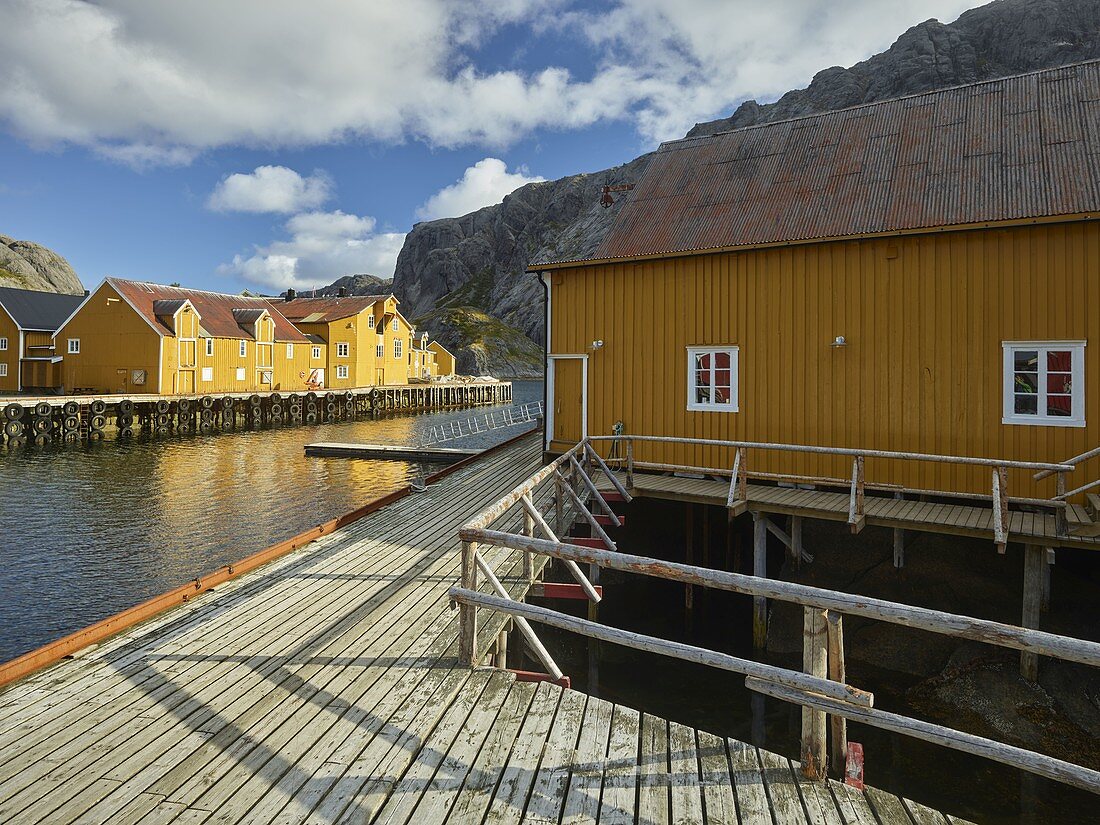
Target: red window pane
<point x="721" y="395"/>
<point x="722" y="378"/>
<point x="722" y="360"/>
<point x="1059" y="405"/>
<point x="702" y="395"/>
<point x="702" y="361"/>
<point x="1059" y="360"/>
<point x="1060" y="383"/>
<point x="702" y="379"/>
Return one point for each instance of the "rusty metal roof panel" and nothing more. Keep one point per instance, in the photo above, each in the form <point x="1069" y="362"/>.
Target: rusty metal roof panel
<point x="1015" y="148"/>
<point x="310" y="310"/>
<point x="217" y="312"/>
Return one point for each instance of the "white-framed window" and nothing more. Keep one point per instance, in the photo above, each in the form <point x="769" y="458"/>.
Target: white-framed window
<point x="3" y="370"/>
<point x="315" y="353"/>
<point x="1044" y="383"/>
<point x="289" y="351"/>
<point x="209" y="346"/>
<point x="240" y="373"/>
<point x="207" y="373"/>
<point x="370" y="322"/>
<point x="395" y="327"/>
<point x="342" y="371"/>
<point x="244" y="348"/>
<point x="74" y="346"/>
<point x="342" y="349"/>
<point x="712" y="378"/>
<point x="397" y="348"/>
<point x="380" y="350"/>
<point x="3" y="344"/>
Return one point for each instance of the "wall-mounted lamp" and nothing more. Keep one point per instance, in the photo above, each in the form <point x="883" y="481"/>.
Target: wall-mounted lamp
<point x="597" y="344"/>
<point x="839" y="341"/>
<point x="113" y="301"/>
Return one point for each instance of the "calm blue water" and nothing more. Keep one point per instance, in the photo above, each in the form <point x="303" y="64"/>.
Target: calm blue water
<point x="89" y="530"/>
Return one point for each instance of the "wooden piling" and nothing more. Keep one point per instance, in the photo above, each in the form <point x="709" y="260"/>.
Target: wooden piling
<point x="1034" y="562"/>
<point x="500" y="657"/>
<point x="838" y="725"/>
<point x="759" y="569"/>
<point x="814" y="663"/>
<point x="467" y="642"/>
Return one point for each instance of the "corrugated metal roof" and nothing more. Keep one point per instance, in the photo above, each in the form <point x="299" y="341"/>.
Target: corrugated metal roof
<point x="1009" y="149"/>
<point x="217" y="311"/>
<point x="309" y="310"/>
<point x="32" y="310"/>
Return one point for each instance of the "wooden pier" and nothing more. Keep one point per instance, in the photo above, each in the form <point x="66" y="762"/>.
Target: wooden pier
<point x="327" y="687"/>
<point x="48" y="419"/>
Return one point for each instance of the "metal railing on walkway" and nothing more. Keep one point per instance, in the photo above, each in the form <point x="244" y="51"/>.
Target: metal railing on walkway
<point x="475" y="425"/>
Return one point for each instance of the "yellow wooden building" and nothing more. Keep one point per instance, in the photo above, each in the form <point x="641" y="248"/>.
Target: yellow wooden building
<point x="921" y="274"/>
<point x="364" y="338"/>
<point x="444" y="360"/>
<point x="28" y="319"/>
<point x="134" y="337"/>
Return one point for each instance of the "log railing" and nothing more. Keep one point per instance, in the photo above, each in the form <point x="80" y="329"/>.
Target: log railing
<point x="857" y="483"/>
<point x="827" y="700"/>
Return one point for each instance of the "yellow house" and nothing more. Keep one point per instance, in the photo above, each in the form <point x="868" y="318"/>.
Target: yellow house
<point x="364" y="337"/>
<point x="134" y="337"/>
<point x="444" y="361"/>
<point x="422" y="366"/>
<point x="28" y="319"/>
<point x="920" y="274"/>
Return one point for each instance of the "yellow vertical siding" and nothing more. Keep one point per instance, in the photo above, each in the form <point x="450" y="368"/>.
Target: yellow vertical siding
<point x="9" y="356"/>
<point x="924" y="317"/>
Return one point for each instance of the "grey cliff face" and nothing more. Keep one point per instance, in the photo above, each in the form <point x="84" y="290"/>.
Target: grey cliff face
<point x="27" y="265"/>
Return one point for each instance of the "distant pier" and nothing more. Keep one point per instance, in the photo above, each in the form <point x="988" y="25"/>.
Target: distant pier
<point x="47" y="419"/>
<point x="397" y="452"/>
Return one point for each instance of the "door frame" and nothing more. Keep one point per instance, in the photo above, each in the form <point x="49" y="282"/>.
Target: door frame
<point x="551" y="358"/>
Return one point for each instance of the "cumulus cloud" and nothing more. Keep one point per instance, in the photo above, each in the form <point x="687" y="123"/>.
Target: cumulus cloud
<point x="147" y="83"/>
<point x="483" y="184"/>
<point x="321" y="247"/>
<point x="270" y="189"/>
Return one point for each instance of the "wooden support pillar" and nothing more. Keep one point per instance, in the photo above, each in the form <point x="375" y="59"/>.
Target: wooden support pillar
<point x="796" y="541"/>
<point x="559" y="505"/>
<point x="760" y="569"/>
<point x="838" y="725"/>
<point x="815" y="663"/>
<point x="1049" y="558"/>
<point x="467" y="644"/>
<point x="1034" y="562"/>
<point x="689" y="554"/>
<point x="528" y="558"/>
<point x="899" y="548"/>
<point x="500" y="659"/>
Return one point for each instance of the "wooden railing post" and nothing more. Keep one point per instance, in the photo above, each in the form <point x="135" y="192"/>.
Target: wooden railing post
<point x="1060" y="520"/>
<point x="630" y="464"/>
<point x="559" y="505"/>
<point x="838" y="725"/>
<point x="1000" y="508"/>
<point x="528" y="530"/>
<point x="814" y="663"/>
<point x="759" y="569"/>
<point x="467" y="646"/>
<point x="737" y="498"/>
<point x="855" y="500"/>
<point x="1035" y="559"/>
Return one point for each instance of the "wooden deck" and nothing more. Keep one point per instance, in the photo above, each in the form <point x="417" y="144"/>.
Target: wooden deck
<point x="908" y="514"/>
<point x="326" y="688"/>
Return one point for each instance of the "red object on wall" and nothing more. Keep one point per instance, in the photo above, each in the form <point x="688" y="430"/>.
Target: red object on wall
<point x="534" y="676"/>
<point x="853" y="768"/>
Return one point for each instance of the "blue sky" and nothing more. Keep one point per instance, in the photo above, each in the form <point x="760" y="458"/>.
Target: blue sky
<point x="266" y="144"/>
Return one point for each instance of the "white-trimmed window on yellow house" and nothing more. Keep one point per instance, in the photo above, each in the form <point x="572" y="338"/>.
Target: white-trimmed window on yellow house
<point x="397" y="348"/>
<point x="315" y="353"/>
<point x="370" y="322"/>
<point x="712" y="379"/>
<point x="209" y="347"/>
<point x="240" y="373"/>
<point x="1044" y="383"/>
<point x="3" y="344"/>
<point x="290" y="352"/>
<point x="74" y="346"/>
<point x="343" y="349"/>
<point x="380" y="351"/>
<point x="207" y="373"/>
<point x="3" y="369"/>
<point x="342" y="371"/>
<point x="244" y="348"/>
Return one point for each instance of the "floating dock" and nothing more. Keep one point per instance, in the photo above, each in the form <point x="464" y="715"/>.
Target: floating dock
<point x="392" y="452"/>
<point x="326" y="687"/>
<point x="47" y="419"/>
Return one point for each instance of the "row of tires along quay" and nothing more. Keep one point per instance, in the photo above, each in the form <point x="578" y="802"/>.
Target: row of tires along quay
<point x="47" y="422"/>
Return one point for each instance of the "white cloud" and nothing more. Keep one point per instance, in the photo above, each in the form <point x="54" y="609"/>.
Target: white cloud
<point x="270" y="189"/>
<point x="483" y="184"/>
<point x="148" y="83"/>
<point x="322" y="247"/>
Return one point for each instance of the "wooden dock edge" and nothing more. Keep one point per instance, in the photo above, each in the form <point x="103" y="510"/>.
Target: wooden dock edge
<point x="53" y="652"/>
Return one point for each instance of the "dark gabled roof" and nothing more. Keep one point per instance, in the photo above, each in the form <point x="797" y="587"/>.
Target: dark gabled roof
<point x="249" y="315"/>
<point x="1011" y="149"/>
<point x="41" y="311"/>
<point x="322" y="310"/>
<point x="218" y="313"/>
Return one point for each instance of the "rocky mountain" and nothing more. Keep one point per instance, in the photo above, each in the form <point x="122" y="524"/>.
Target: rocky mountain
<point x="355" y="285"/>
<point x="27" y="265"/>
<point x="476" y="263"/>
